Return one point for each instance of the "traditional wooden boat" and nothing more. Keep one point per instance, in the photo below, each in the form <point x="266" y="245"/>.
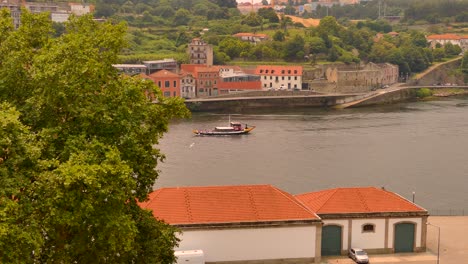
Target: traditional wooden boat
<point x="234" y="128"/>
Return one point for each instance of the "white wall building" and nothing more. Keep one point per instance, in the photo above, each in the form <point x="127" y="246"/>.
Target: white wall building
<point x="240" y="224"/>
<point x="374" y="219"/>
<point x="274" y="77"/>
<point x="260" y="223"/>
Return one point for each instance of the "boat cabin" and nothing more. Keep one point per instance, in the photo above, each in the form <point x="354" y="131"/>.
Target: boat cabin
<point x="235" y="126"/>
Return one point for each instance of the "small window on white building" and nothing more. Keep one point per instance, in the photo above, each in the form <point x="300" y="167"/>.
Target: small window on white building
<point x="368" y="228"/>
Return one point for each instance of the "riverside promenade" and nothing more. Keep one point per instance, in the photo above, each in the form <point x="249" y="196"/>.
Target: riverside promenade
<point x="453" y="245"/>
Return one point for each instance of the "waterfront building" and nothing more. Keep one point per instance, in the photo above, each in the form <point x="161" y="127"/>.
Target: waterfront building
<point x="359" y="78"/>
<point x="167" y="81"/>
<point x="275" y="77"/>
<point x="188" y="85"/>
<point x="218" y="80"/>
<point x="240" y="224"/>
<point x="249" y="223"/>
<point x="374" y="219"/>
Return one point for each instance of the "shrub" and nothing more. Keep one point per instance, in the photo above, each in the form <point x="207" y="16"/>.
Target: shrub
<point x="423" y="92"/>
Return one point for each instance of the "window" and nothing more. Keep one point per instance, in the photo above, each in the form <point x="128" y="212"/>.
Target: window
<point x="295" y="71"/>
<point x="167" y="84"/>
<point x="368" y="228"/>
<point x="175" y="83"/>
<point x="167" y="94"/>
<point x="159" y="84"/>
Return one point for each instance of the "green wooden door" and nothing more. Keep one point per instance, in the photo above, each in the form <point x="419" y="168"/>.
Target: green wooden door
<point x="404" y="237"/>
<point x="331" y="240"/>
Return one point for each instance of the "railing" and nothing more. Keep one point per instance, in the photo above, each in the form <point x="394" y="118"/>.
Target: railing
<point x="448" y="212"/>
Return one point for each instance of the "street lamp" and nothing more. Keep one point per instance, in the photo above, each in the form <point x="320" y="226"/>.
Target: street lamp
<point x="438" y="241"/>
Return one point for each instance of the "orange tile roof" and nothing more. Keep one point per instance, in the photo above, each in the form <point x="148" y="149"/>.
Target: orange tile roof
<point x="163" y="73"/>
<point x="278" y="70"/>
<point x="246" y="34"/>
<point x="444" y="36"/>
<point x="225" y="204"/>
<point x="357" y="200"/>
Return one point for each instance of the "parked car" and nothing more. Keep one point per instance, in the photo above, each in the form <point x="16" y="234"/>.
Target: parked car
<point x="358" y="255"/>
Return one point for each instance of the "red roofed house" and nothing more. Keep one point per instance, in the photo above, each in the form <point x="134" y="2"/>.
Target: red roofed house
<point x="443" y="39"/>
<point x="169" y="82"/>
<point x="240" y="224"/>
<point x="374" y="219"/>
<point x="276" y="77"/>
<point x="251" y="37"/>
<point x="218" y="80"/>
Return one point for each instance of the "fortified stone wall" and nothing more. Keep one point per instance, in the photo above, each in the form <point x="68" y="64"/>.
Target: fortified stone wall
<point x="446" y="73"/>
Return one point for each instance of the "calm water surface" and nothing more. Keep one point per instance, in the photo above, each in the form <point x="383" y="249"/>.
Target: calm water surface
<point x="416" y="147"/>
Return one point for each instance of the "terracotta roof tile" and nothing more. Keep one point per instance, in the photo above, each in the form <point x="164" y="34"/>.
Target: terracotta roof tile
<point x="164" y="73"/>
<point x="225" y="204"/>
<point x="357" y="200"/>
<point x="278" y="70"/>
<point x="445" y="36"/>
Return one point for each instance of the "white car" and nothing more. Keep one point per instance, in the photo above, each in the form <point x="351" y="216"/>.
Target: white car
<point x="358" y="255"/>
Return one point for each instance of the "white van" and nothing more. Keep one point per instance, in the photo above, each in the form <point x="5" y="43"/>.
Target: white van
<point x="190" y="257"/>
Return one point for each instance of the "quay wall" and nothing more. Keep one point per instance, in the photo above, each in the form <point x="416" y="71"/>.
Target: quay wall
<point x="240" y="104"/>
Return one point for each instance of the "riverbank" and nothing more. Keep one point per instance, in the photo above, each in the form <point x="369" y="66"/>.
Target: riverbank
<point x="446" y="92"/>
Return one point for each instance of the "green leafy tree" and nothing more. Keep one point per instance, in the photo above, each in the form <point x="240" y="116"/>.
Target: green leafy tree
<point x="268" y="13"/>
<point x="294" y="48"/>
<point x="438" y="54"/>
<point x="88" y="153"/>
<point x="182" y="17"/>
<point x="252" y="19"/>
<point x="278" y="36"/>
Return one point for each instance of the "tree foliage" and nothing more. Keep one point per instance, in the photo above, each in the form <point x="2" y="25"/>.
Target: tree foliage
<point x="78" y="147"/>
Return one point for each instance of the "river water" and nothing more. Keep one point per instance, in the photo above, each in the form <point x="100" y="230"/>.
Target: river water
<point x="418" y="147"/>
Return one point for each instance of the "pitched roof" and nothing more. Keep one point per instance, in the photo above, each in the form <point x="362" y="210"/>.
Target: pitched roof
<point x="444" y="37"/>
<point x="278" y="70"/>
<point x="357" y="200"/>
<point x="225" y="204"/>
<point x="245" y="34"/>
<point x="163" y="73"/>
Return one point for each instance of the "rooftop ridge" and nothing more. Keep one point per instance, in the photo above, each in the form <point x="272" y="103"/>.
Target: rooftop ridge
<point x="359" y="194"/>
<point x="252" y="200"/>
<point x="293" y="199"/>
<point x="187" y="204"/>
<point x="388" y="193"/>
<point x="333" y="193"/>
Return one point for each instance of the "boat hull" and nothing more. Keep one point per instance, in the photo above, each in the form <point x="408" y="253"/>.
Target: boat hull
<point x="223" y="133"/>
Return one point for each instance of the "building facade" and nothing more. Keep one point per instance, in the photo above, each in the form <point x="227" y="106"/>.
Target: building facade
<point x="251" y="37"/>
<point x="275" y="77"/>
<point x="168" y="82"/>
<point x="454" y="39"/>
<point x="157" y="65"/>
<point x="240" y="224"/>
<point x="188" y="85"/>
<point x="260" y="223"/>
<point x="200" y="52"/>
<point x="374" y="219"/>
